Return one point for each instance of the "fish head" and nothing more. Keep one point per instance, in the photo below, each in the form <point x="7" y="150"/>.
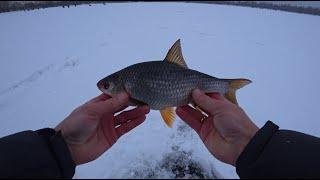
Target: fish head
<point x="111" y="85"/>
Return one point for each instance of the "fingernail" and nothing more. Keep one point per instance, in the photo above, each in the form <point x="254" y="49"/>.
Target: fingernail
<point x="197" y="93"/>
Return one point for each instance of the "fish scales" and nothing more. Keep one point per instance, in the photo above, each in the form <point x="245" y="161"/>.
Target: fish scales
<point x="161" y="85"/>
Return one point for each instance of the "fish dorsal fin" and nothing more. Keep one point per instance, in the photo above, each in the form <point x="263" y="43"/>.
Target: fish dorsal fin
<point x="168" y="115"/>
<point x="174" y="55"/>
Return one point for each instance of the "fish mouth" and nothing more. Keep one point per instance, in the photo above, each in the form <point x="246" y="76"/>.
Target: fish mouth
<point x="106" y="92"/>
<point x="102" y="89"/>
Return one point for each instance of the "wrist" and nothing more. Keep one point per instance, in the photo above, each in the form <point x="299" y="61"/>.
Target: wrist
<point x="255" y="146"/>
<point x="73" y="153"/>
<point x="70" y="146"/>
<point x="247" y="138"/>
<point x="58" y="148"/>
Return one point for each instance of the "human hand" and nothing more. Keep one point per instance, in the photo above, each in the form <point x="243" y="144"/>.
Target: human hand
<point x="225" y="131"/>
<point x="92" y="128"/>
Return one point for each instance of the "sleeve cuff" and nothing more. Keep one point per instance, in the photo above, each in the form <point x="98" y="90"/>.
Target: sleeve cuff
<point x="255" y="147"/>
<point x="59" y="150"/>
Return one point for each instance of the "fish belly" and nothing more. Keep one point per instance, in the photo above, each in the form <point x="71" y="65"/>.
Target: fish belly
<point x="160" y="94"/>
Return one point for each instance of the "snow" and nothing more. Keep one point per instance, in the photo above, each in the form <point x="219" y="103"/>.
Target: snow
<point x="52" y="58"/>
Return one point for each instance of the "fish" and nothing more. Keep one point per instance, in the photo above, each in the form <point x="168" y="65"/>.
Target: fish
<point x="166" y="84"/>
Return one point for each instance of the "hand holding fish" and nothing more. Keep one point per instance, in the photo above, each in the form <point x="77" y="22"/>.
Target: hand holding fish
<point x="92" y="128"/>
<point x="169" y="83"/>
<point x="225" y="131"/>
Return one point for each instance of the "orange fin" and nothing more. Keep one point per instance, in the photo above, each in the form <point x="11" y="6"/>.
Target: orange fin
<point x="168" y="115"/>
<point x="175" y="56"/>
<point x="238" y="83"/>
<point x="233" y="86"/>
<point x="231" y="96"/>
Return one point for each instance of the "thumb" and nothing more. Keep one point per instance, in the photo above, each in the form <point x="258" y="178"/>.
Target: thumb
<point x="205" y="102"/>
<point x="112" y="105"/>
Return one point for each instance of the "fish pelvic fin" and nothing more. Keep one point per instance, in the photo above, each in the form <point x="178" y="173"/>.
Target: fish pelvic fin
<point x="235" y="84"/>
<point x="168" y="115"/>
<point x="175" y="56"/>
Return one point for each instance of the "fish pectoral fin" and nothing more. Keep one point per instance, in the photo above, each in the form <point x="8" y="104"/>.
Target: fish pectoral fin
<point x="135" y="102"/>
<point x="175" y="56"/>
<point x="168" y="115"/>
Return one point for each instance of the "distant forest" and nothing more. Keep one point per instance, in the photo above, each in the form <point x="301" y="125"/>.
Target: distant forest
<point x="7" y="6"/>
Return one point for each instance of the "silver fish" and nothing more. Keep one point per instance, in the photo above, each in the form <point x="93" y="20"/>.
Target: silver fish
<point x="166" y="84"/>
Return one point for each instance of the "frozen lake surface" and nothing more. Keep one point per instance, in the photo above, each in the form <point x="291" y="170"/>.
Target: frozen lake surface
<point x="51" y="60"/>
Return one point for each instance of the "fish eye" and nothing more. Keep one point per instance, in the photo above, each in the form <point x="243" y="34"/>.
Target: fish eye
<point x="106" y="85"/>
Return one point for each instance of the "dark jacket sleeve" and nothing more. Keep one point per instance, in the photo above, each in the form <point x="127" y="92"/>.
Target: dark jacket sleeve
<point x="274" y="153"/>
<point x="35" y="154"/>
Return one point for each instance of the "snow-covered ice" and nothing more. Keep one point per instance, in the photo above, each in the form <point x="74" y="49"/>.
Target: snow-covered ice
<point x="51" y="59"/>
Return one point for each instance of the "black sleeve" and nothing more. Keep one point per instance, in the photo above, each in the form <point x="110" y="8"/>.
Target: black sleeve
<point x="35" y="154"/>
<point x="274" y="153"/>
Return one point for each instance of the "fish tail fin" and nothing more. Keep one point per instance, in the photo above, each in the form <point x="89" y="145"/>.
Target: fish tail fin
<point x="235" y="84"/>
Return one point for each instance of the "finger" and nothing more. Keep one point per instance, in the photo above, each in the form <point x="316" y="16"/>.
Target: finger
<point x="217" y="96"/>
<point x="131" y="114"/>
<point x="101" y="97"/>
<point x="206" y="103"/>
<point x="191" y="116"/>
<point x="206" y="127"/>
<point x="107" y="116"/>
<point x="112" y="105"/>
<point x="126" y="127"/>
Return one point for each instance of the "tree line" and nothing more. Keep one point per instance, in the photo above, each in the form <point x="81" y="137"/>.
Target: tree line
<point x="7" y="6"/>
